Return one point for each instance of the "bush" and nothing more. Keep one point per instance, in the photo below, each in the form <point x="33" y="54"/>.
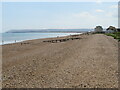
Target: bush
<point x="114" y="35"/>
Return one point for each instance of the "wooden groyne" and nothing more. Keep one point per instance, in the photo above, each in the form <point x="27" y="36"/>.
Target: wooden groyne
<point x="61" y="40"/>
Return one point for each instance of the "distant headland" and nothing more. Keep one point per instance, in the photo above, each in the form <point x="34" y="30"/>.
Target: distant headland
<point x="49" y="30"/>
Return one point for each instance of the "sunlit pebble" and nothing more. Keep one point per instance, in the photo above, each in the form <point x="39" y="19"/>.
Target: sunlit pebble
<point x="66" y="84"/>
<point x="60" y="79"/>
<point x="7" y="84"/>
<point x="92" y="75"/>
<point x="19" y="82"/>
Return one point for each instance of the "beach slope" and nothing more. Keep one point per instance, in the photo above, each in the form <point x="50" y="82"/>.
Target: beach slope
<point x="91" y="62"/>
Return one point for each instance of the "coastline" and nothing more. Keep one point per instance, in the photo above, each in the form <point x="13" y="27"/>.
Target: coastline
<point x="88" y="62"/>
<point x="17" y="41"/>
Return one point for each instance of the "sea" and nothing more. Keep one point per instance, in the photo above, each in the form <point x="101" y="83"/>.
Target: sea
<point x="7" y="38"/>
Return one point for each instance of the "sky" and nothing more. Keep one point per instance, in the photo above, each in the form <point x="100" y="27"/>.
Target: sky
<point x="58" y="15"/>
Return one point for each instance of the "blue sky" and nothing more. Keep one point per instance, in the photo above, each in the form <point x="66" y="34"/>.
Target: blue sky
<point x="62" y="15"/>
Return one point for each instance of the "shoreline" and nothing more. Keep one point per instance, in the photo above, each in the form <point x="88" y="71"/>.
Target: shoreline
<point x="15" y="41"/>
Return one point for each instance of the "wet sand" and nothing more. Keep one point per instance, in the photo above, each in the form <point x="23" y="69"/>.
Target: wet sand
<point x="91" y="62"/>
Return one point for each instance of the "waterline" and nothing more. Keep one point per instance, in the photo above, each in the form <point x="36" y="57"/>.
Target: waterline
<point x="8" y="38"/>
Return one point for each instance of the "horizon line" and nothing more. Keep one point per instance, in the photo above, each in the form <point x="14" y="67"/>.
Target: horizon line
<point x="97" y="1"/>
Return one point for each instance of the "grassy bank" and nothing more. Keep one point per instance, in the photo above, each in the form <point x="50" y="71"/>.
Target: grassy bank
<point x="115" y="35"/>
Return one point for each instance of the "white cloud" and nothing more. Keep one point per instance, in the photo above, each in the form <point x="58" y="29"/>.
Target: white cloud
<point x="85" y="20"/>
<point x="114" y="6"/>
<point x="99" y="10"/>
<point x="83" y="14"/>
<point x="99" y="1"/>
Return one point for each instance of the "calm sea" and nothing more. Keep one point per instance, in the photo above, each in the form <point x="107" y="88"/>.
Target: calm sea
<point x="6" y="38"/>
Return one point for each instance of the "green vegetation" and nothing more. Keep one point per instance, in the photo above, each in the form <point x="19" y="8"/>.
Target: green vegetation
<point x="115" y="35"/>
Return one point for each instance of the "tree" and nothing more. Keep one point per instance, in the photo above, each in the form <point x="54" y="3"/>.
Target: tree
<point x="98" y="29"/>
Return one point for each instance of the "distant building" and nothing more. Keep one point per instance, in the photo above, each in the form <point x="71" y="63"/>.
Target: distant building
<point x="98" y="29"/>
<point x="111" y="29"/>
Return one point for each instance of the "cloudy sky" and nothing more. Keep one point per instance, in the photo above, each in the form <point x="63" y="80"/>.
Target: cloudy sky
<point x="62" y="15"/>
